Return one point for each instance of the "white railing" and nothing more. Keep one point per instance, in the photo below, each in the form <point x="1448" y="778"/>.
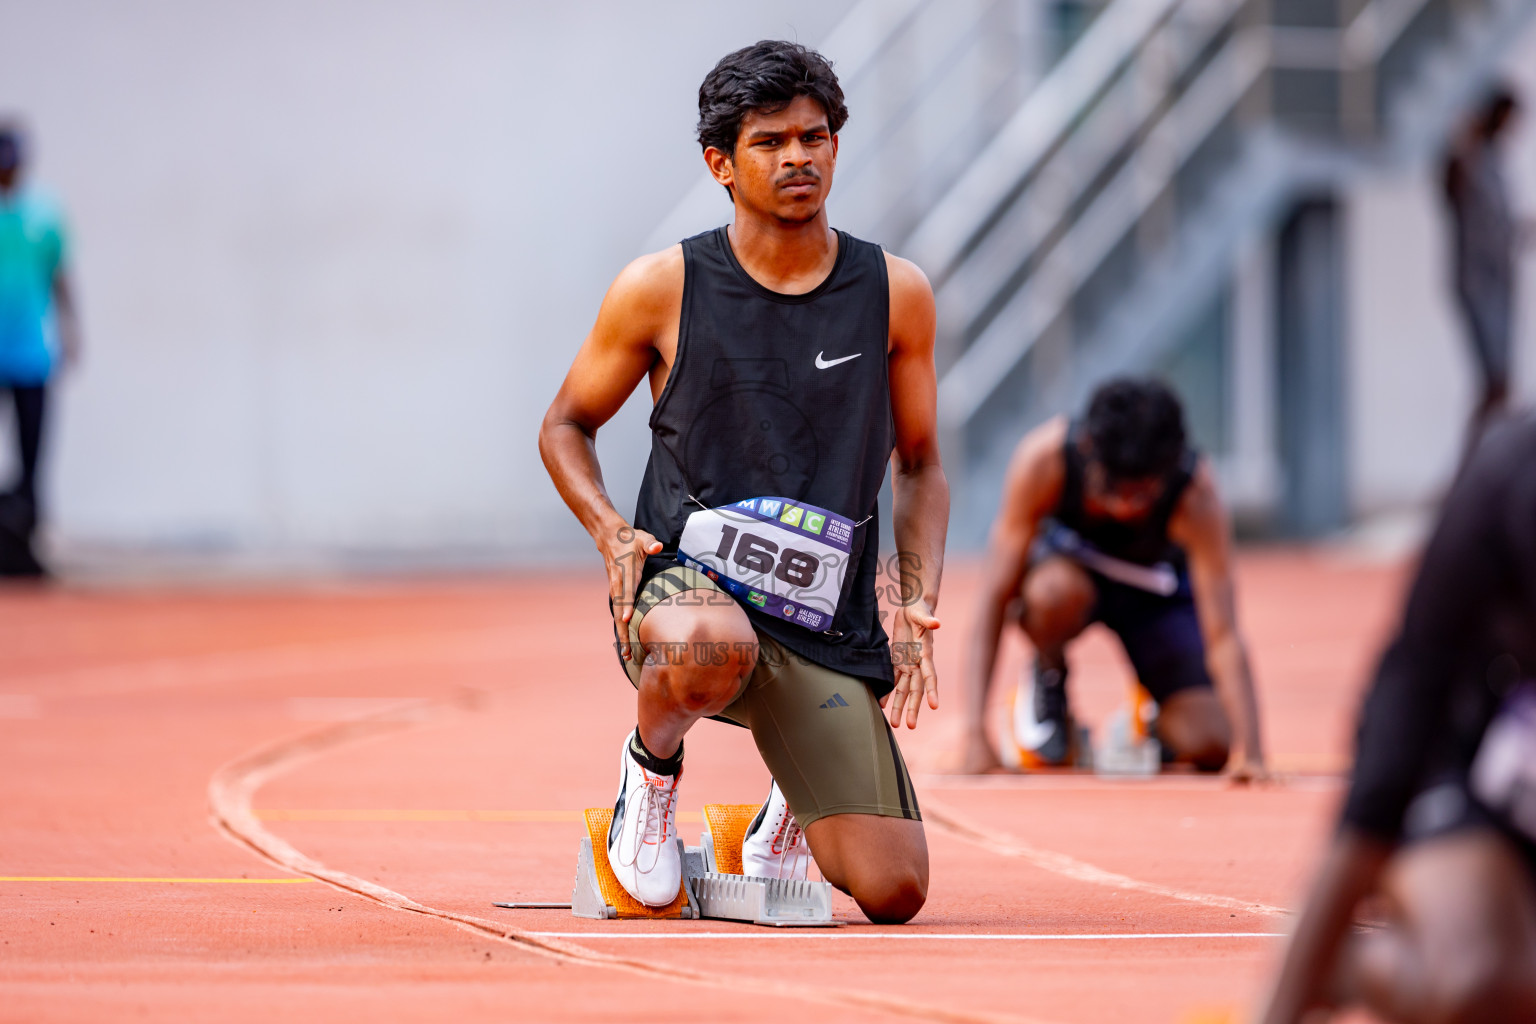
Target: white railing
<point x="1028" y="229"/>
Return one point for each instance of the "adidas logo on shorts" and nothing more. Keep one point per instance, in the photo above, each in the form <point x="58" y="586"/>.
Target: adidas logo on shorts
<point x="834" y="701"/>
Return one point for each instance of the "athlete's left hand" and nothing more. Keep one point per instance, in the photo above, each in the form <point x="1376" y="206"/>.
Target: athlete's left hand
<point x="912" y="657"/>
<point x="1244" y="771"/>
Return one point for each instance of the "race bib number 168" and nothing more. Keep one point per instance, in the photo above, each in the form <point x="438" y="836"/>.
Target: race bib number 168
<point x="786" y="558"/>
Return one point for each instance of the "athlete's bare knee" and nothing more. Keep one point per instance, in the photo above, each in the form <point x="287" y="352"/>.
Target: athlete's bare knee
<point x="1210" y="757"/>
<point x="696" y="659"/>
<point x="1207" y="750"/>
<point x="1058" y="599"/>
<point x="1481" y="984"/>
<point x="881" y="862"/>
<point x="891" y="896"/>
<point x="1195" y="729"/>
<point x="708" y="678"/>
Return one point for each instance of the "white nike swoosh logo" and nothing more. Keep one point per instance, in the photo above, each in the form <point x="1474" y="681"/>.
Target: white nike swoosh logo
<point x="1030" y="733"/>
<point x="822" y="364"/>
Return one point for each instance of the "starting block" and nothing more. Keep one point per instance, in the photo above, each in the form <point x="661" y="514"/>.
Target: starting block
<point x="598" y="893"/>
<point x="713" y="885"/>
<point x="1130" y="747"/>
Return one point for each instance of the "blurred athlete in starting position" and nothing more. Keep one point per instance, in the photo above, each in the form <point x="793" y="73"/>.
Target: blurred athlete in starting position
<point x="1115" y="519"/>
<point x="1440" y="821"/>
<point x="787" y="363"/>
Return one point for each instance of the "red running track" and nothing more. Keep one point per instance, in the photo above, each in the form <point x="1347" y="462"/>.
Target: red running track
<point x="246" y="803"/>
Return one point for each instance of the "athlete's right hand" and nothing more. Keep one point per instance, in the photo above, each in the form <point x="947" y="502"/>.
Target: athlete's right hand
<point x="624" y="553"/>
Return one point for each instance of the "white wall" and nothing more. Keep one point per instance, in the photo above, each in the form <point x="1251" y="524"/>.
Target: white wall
<point x="1412" y="377"/>
<point x="334" y="258"/>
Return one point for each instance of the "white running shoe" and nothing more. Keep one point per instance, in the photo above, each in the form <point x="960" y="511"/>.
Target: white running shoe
<point x="642" y="841"/>
<point x="775" y="846"/>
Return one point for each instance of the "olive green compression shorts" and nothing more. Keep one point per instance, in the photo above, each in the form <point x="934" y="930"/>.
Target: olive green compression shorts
<point x="821" y="733"/>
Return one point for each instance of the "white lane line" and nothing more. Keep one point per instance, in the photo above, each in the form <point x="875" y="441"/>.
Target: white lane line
<point x="1321" y="776"/>
<point x="233" y="786"/>
<point x="823" y="933"/>
<point x="1070" y="867"/>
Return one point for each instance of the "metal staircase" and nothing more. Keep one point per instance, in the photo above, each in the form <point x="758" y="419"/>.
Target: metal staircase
<point x="1107" y="213"/>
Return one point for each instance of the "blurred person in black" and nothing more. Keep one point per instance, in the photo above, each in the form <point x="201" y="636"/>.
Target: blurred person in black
<point x="1487" y="240"/>
<point x="1438" y="833"/>
<point x="37" y="327"/>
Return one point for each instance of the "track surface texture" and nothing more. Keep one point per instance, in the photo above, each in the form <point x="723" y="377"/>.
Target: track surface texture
<point x="246" y="803"/>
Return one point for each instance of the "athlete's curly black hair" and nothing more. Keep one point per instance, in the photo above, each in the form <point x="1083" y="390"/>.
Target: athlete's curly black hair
<point x="766" y="76"/>
<point x="1136" y="428"/>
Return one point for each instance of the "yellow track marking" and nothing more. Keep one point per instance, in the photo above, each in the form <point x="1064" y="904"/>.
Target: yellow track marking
<point x="199" y="881"/>
<point x="370" y="814"/>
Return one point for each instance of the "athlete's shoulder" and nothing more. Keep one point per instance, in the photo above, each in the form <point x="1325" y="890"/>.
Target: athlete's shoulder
<point x="652" y="282"/>
<point x="1044" y="444"/>
<point x="1508" y="442"/>
<point x="1200" y="509"/>
<point x="907" y="278"/>
<point x="654" y="272"/>
<point x="913" y="317"/>
<point x="41" y="210"/>
<point x="1038" y="467"/>
<point x="1498" y="482"/>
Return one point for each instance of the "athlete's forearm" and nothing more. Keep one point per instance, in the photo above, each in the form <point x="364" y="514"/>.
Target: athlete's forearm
<point x="981" y="660"/>
<point x="570" y="456"/>
<point x="1312" y="962"/>
<point x="920" y="515"/>
<point x="1227" y="661"/>
<point x="66" y="317"/>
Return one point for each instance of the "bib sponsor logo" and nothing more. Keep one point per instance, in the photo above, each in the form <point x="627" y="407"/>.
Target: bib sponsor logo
<point x="755" y="597"/>
<point x="789" y="610"/>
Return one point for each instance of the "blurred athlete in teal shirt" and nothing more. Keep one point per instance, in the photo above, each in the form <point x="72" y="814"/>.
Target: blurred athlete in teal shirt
<point x="37" y="328"/>
<point x="37" y="321"/>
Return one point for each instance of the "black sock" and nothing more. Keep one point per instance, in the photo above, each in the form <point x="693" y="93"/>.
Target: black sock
<point x="650" y="762"/>
<point x="1050" y="675"/>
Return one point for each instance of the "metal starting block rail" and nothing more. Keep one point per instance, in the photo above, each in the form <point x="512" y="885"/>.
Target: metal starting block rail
<point x="706" y="891"/>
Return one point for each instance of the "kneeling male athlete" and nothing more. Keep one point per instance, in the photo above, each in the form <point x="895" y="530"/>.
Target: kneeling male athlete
<point x="1116" y="520"/>
<point x="787" y="361"/>
<point x="1440" y="821"/>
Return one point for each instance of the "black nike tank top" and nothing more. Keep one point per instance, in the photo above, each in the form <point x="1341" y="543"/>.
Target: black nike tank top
<point x="1144" y="541"/>
<point x="780" y="395"/>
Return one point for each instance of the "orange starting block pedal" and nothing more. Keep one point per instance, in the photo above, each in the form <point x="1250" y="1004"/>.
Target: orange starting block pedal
<point x="725" y="826"/>
<point x="713" y="885"/>
<point x="598" y="893"/>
